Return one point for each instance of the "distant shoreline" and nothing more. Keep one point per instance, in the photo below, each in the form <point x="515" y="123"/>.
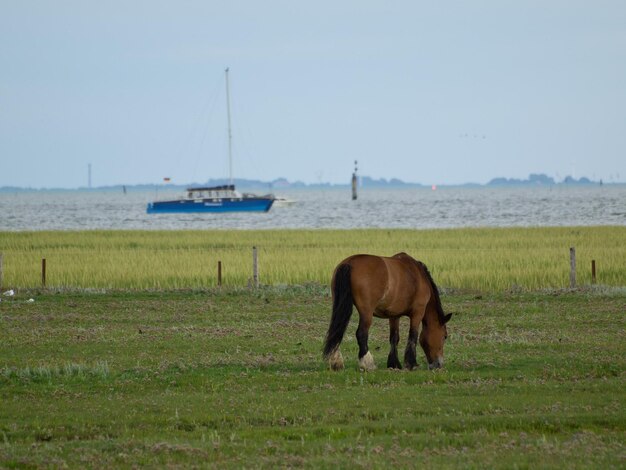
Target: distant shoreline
<point x="365" y="182"/>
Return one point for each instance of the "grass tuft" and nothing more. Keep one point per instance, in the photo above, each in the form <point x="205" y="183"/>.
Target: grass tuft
<point x="100" y="369"/>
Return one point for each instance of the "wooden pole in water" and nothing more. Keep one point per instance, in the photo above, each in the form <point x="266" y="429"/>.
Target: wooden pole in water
<point x="572" y="267"/>
<point x="43" y="273"/>
<point x="354" y="182"/>
<point x="255" y="267"/>
<point x="219" y="274"/>
<point x="593" y="271"/>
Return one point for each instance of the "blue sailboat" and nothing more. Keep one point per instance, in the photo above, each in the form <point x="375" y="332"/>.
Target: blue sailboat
<point x="213" y="199"/>
<point x="223" y="198"/>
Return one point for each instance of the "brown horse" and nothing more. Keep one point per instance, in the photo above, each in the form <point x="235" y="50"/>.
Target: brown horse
<point x="387" y="288"/>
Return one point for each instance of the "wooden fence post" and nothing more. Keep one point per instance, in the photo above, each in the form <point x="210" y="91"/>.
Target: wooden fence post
<point x="255" y="267"/>
<point x="593" y="271"/>
<point x="572" y="267"/>
<point x="219" y="274"/>
<point x="1" y="272"/>
<point x="43" y="273"/>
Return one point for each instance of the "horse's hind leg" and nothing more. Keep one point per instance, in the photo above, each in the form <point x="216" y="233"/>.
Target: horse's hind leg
<point x="366" y="361"/>
<point x="394" y="339"/>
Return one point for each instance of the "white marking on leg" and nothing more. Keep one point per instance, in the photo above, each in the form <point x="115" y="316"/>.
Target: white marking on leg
<point x="367" y="362"/>
<point x="336" y="360"/>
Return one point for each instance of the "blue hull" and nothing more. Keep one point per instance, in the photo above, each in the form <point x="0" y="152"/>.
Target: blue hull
<point x="210" y="205"/>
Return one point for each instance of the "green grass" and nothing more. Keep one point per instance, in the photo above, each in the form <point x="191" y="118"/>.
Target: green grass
<point x="490" y="260"/>
<point x="234" y="378"/>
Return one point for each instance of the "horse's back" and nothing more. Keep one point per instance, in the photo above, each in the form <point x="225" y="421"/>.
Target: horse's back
<point x="366" y="269"/>
<point x="389" y="284"/>
<point x="397" y="269"/>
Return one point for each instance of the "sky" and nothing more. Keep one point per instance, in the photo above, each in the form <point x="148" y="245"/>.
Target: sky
<point x="431" y="92"/>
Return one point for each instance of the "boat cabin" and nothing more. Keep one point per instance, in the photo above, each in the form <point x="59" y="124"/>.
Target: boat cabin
<point x="214" y="192"/>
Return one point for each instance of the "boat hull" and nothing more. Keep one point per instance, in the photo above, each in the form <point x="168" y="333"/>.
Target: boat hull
<point x="210" y="205"/>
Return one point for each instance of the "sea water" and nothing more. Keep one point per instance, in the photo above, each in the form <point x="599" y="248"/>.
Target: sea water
<point x="416" y="208"/>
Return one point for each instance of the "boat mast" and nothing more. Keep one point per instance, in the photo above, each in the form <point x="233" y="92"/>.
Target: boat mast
<point x="230" y="136"/>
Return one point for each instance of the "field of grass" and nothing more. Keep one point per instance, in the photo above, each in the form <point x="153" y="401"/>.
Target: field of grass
<point x="233" y="378"/>
<point x="492" y="260"/>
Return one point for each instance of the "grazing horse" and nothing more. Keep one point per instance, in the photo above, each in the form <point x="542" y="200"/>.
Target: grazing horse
<point x="387" y="288"/>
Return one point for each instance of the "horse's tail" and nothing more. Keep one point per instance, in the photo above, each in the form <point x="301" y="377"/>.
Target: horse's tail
<point x="342" y="309"/>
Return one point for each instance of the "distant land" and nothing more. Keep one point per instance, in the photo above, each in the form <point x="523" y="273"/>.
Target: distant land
<point x="539" y="180"/>
<point x="535" y="180"/>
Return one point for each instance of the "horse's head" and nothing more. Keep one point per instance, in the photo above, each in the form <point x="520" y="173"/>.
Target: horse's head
<point x="432" y="337"/>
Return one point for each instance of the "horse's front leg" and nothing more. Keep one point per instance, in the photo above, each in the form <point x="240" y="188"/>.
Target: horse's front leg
<point x="366" y="361"/>
<point x="410" y="357"/>
<point x="394" y="338"/>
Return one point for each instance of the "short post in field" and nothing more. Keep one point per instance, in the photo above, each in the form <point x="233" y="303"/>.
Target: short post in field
<point x="255" y="267"/>
<point x="572" y="267"/>
<point x="593" y="271"/>
<point x="43" y="273"/>
<point x="219" y="274"/>
<point x="1" y="273"/>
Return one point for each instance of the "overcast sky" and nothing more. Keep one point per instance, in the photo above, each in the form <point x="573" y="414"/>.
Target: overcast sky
<point x="435" y="92"/>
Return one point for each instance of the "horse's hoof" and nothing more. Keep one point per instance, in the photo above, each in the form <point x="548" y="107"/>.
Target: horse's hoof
<point x="366" y="363"/>
<point x="336" y="360"/>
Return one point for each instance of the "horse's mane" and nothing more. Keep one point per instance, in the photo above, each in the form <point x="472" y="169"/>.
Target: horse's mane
<point x="440" y="313"/>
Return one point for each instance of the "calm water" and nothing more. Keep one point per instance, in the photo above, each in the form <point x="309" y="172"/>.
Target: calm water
<point x="396" y="208"/>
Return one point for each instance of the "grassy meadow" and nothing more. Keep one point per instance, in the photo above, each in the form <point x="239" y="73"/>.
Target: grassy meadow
<point x="233" y="378"/>
<point x="485" y="260"/>
<point x="133" y="357"/>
